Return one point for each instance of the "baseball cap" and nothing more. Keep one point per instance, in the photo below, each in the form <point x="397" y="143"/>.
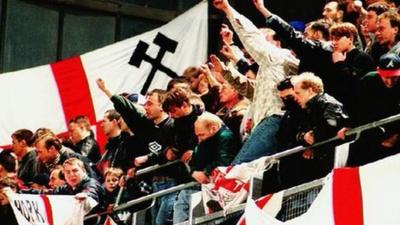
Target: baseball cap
<point x="389" y="65"/>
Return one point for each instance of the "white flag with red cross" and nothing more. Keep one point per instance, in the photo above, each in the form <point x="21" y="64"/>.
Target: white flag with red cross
<point x="50" y="95"/>
<point x="366" y="195"/>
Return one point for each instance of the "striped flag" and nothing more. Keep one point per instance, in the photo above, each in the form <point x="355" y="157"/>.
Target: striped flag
<point x="50" y="95"/>
<point x="46" y="209"/>
<point x="367" y="195"/>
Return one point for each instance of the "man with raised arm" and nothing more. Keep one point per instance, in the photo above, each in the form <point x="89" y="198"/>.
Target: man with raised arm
<point x="155" y="129"/>
<point x="275" y="64"/>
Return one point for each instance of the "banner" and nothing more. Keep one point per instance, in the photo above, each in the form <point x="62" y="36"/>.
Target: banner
<point x="368" y="195"/>
<point x="270" y="205"/>
<point x="50" y="95"/>
<point x="229" y="186"/>
<point x="46" y="209"/>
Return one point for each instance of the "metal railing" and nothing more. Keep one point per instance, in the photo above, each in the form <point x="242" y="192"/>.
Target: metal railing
<point x="355" y="131"/>
<point x="270" y="159"/>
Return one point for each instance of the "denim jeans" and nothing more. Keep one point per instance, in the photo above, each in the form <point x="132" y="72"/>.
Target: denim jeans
<point x="182" y="204"/>
<point x="162" y="211"/>
<point x="261" y="142"/>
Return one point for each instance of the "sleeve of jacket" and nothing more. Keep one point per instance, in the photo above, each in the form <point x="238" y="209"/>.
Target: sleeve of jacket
<point x="240" y="82"/>
<point x="297" y="42"/>
<point x="225" y="148"/>
<point x="333" y="119"/>
<point x="135" y="120"/>
<point x="263" y="52"/>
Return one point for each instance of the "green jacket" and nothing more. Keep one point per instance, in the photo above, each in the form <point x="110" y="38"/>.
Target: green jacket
<point x="218" y="150"/>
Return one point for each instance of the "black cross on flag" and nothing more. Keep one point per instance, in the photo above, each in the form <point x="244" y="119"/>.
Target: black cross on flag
<point x="139" y="55"/>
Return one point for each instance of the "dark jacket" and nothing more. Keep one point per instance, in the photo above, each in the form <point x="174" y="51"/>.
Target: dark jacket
<point x="325" y="116"/>
<point x="211" y="99"/>
<point x="89" y="186"/>
<point x="89" y="148"/>
<point x="117" y="153"/>
<point x="315" y="56"/>
<point x="28" y="167"/>
<point x="375" y="101"/>
<point x="64" y="154"/>
<point x="155" y="138"/>
<point x="346" y="76"/>
<point x="218" y="150"/>
<point x="184" y="136"/>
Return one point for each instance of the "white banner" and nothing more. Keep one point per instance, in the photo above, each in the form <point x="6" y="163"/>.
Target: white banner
<point x="46" y="209"/>
<point x="50" y="95"/>
<point x="368" y="195"/>
<point x="229" y="186"/>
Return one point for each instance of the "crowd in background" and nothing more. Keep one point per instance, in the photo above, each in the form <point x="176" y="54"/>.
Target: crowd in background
<point x="279" y="87"/>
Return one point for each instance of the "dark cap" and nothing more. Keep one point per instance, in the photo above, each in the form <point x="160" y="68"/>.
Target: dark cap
<point x="389" y="65"/>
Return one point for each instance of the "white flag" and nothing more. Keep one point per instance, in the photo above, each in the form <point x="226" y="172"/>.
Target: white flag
<point x="367" y="195"/>
<point x="50" y="95"/>
<point x="46" y="209"/>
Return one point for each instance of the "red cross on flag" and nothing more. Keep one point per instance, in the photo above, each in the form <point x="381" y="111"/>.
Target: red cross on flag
<point x="50" y="95"/>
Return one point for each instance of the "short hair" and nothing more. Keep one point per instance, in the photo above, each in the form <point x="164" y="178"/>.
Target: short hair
<point x="284" y="84"/>
<point x="309" y="80"/>
<point x="74" y="161"/>
<point x="160" y="94"/>
<point x="175" y="98"/>
<point x="177" y="80"/>
<point x="40" y="133"/>
<point x="50" y="141"/>
<point x="113" y="171"/>
<point x="378" y="7"/>
<point x="23" y="135"/>
<point x="343" y="29"/>
<point x="8" y="160"/>
<point x="112" y="114"/>
<point x="208" y="119"/>
<point x="81" y="120"/>
<point x="191" y="71"/>
<point x="321" y="26"/>
<point x="393" y="17"/>
<point x="8" y="182"/>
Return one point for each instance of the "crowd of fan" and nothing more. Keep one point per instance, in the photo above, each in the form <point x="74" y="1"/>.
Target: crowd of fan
<point x="342" y="71"/>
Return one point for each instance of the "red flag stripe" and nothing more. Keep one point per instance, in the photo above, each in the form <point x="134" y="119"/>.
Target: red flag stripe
<point x="74" y="92"/>
<point x="73" y="89"/>
<point x="347" y="197"/>
<point x="49" y="211"/>
<point x="261" y="202"/>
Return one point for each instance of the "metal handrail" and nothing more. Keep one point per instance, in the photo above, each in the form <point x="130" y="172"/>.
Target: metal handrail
<point x="354" y="131"/>
<point x="146" y="198"/>
<point x="269" y="159"/>
<point x="156" y="167"/>
<point x="273" y="158"/>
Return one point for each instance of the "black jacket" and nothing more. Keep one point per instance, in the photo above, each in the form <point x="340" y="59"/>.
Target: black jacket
<point x="184" y="136"/>
<point x="339" y="78"/>
<point x="155" y="138"/>
<point x="89" y="148"/>
<point x="324" y="116"/>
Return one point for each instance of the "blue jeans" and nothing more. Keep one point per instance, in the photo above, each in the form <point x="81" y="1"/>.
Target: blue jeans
<point x="261" y="142"/>
<point x="182" y="204"/>
<point x="162" y="211"/>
